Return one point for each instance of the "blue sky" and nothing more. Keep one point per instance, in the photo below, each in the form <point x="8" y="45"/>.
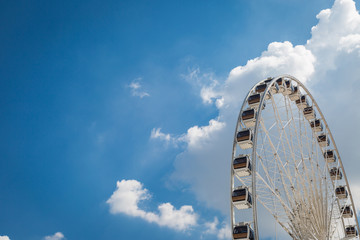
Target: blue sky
<point x="97" y="92"/>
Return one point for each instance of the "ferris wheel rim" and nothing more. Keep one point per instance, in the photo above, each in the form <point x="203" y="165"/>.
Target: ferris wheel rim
<point x="254" y="147"/>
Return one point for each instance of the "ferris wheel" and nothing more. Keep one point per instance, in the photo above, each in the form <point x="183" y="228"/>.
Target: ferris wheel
<point x="285" y="158"/>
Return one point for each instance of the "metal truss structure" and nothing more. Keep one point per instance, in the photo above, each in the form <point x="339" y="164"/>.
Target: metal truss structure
<point x="285" y="158"/>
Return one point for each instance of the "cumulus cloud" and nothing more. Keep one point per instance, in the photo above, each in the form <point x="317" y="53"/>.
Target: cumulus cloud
<point x="222" y="231"/>
<point x="280" y="57"/>
<point x="207" y="83"/>
<point x="195" y="137"/>
<point x="329" y="65"/>
<point x="206" y="160"/>
<point x="129" y="193"/>
<point x="136" y="89"/>
<point x="355" y="191"/>
<point x="4" y="238"/>
<point x="56" y="236"/>
<point x="335" y="34"/>
<point x="211" y="227"/>
<point x="157" y="134"/>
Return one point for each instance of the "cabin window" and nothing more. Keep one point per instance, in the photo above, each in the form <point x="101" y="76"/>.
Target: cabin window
<point x="241" y="229"/>
<point x="340" y="190"/>
<point x="261" y="88"/>
<point x="346" y="210"/>
<point x="254" y="98"/>
<point x="308" y="110"/>
<point x="249" y="198"/>
<point x="288" y="84"/>
<point x="322" y="138"/>
<point x="268" y="80"/>
<point x="240" y="160"/>
<point x="335" y="171"/>
<point x="350" y="230"/>
<point x="239" y="192"/>
<point x="329" y="154"/>
<point x="242" y="134"/>
<point x="247" y="114"/>
<point x="302" y="99"/>
<point x="316" y="123"/>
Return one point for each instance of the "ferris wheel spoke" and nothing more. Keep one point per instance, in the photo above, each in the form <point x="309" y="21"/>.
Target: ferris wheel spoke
<point x="288" y="113"/>
<point x="289" y="142"/>
<point x="309" y="194"/>
<point x="276" y="216"/>
<point x="275" y="153"/>
<point x="281" y="169"/>
<point x="288" y="209"/>
<point x="287" y="169"/>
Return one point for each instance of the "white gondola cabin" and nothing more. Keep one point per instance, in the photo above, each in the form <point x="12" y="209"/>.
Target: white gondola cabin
<point x="323" y="140"/>
<point x="244" y="138"/>
<point x="242" y="165"/>
<point x="254" y="101"/>
<point x="302" y="102"/>
<point x="347" y="212"/>
<point x="350" y="232"/>
<point x="330" y="156"/>
<point x="241" y="198"/>
<point x="280" y="83"/>
<point x="341" y="192"/>
<point x="335" y="173"/>
<point x="274" y="87"/>
<point x="243" y="231"/>
<point x="248" y="117"/>
<point x="295" y="94"/>
<point x="309" y="113"/>
<point x="288" y="87"/>
<point x="261" y="89"/>
<point x="316" y="125"/>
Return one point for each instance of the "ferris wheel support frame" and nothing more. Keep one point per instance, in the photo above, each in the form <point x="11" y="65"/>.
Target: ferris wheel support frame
<point x="253" y="159"/>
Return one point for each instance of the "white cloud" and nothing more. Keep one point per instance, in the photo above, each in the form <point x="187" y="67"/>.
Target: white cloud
<point x="222" y="231"/>
<point x="355" y="191"/>
<point x="56" y="236"/>
<point x="210" y="93"/>
<point x="129" y="193"/>
<point x="207" y="84"/>
<point x="211" y="227"/>
<point x="350" y="43"/>
<point x="328" y="63"/>
<point x="4" y="238"/>
<point x="136" y="89"/>
<point x="196" y="137"/>
<point x="157" y="134"/>
<point x="206" y="161"/>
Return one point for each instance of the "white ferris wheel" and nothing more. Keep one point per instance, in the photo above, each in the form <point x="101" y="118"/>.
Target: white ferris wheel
<point x="285" y="158"/>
